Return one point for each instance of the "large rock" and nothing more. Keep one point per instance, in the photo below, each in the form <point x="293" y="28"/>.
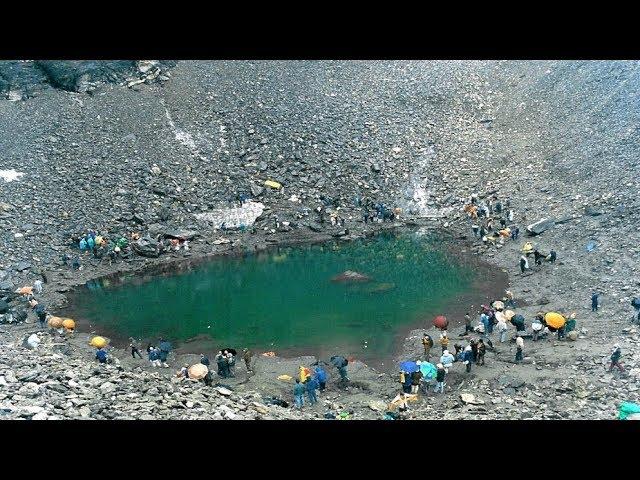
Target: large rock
<point x="233" y="218"/>
<point x="540" y="226"/>
<point x="146" y="247"/>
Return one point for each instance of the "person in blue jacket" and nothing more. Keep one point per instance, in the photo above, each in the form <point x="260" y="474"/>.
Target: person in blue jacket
<point x="320" y="377"/>
<point x="467" y="357"/>
<point x="298" y="394"/>
<point x="101" y="355"/>
<point x="311" y="390"/>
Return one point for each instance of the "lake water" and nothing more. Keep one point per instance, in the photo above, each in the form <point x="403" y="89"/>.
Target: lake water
<point x="285" y="300"/>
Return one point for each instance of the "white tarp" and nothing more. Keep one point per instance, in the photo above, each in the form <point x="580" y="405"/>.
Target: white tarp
<point x="10" y="175"/>
<point x="233" y="217"/>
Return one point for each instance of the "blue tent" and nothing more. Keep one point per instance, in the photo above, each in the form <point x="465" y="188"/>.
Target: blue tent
<point x="409" y="367"/>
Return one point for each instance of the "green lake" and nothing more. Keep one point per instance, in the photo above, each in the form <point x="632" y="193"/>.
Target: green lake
<point x="285" y="300"/>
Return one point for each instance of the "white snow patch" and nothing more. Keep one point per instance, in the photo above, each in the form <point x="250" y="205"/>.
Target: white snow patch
<point x="233" y="217"/>
<point x="10" y="175"/>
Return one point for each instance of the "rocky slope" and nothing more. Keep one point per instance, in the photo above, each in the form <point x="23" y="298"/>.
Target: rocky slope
<point x="555" y="138"/>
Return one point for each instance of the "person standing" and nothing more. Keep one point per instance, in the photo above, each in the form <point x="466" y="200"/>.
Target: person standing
<point x="519" y="348"/>
<point x="615" y="358"/>
<point x="298" y="394"/>
<point x="441" y="375"/>
<point x="427" y="343"/>
<point x="502" y="330"/>
<point x="246" y="356"/>
<point x="524" y="264"/>
<point x="134" y="348"/>
<point x="552" y="256"/>
<point x="221" y="361"/>
<point x="444" y="341"/>
<point x="311" y="390"/>
<point x="231" y="363"/>
<point x="594" y="301"/>
<point x="476" y="230"/>
<point x="467" y="357"/>
<point x="467" y="323"/>
<point x="482" y="350"/>
<point x="204" y="360"/>
<point x="320" y="377"/>
<point x="446" y="360"/>
<point x="37" y="286"/>
<point x="536" y="327"/>
<point x="416" y="377"/>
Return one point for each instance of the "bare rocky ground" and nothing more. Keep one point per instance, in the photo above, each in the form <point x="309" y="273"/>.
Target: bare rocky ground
<point x="557" y="139"/>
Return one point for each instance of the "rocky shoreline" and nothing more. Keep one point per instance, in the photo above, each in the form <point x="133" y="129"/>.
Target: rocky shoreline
<point x="458" y="131"/>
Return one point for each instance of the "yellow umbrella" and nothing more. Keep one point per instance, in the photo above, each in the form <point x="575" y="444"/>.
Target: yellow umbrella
<point x="55" y="322"/>
<point x="527" y="247"/>
<point x="98" y="342"/>
<point x="509" y="314"/>
<point x="69" y="323"/>
<point x="198" y="371"/>
<point x="498" y="305"/>
<point x="501" y="317"/>
<point x="554" y="320"/>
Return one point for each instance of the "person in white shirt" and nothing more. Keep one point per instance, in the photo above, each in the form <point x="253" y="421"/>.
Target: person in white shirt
<point x="519" y="348"/>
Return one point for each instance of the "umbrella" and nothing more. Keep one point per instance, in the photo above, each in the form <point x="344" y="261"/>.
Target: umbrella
<point x="232" y="351"/>
<point x="69" y="324"/>
<point x="98" y="342"/>
<point x="198" y="371"/>
<point x="509" y="314"/>
<point x="440" y="321"/>
<point x="55" y="322"/>
<point x="528" y="247"/>
<point x="25" y="290"/>
<point x="165" y="346"/>
<point x="409" y="367"/>
<point x="429" y="370"/>
<point x="554" y="320"/>
<point x="501" y="317"/>
<point x="498" y="305"/>
<point x="517" y="319"/>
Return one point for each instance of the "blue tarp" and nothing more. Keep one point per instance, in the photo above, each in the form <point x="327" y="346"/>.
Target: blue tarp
<point x="429" y="370"/>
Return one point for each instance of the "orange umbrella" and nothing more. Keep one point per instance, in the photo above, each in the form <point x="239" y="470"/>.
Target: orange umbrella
<point x="198" y="371"/>
<point x="554" y="320"/>
<point x="69" y="324"/>
<point x="55" y="322"/>
<point x="25" y="291"/>
<point x="440" y="322"/>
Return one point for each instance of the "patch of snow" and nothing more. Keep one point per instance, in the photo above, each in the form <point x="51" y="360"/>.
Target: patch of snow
<point x="10" y="175"/>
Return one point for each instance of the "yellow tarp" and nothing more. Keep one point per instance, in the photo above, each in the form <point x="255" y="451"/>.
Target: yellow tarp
<point x="272" y="184"/>
<point x="285" y="378"/>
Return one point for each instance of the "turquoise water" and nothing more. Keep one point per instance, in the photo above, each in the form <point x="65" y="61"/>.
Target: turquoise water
<point x="286" y="300"/>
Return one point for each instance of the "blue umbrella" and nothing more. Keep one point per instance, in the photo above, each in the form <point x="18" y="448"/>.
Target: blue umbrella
<point x="165" y="346"/>
<point x="429" y="370"/>
<point x="409" y="367"/>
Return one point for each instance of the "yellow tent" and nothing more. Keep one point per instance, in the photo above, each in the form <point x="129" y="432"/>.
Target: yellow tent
<point x="554" y="320"/>
<point x="98" y="342"/>
<point x="272" y="184"/>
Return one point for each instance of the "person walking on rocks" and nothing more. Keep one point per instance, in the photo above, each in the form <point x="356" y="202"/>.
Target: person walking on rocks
<point x="427" y="343"/>
<point x="519" y="348"/>
<point x="246" y="356"/>
<point x="441" y="375"/>
<point x="444" y="340"/>
<point x="134" y="348"/>
<point x="594" y="301"/>
<point x="298" y="394"/>
<point x="524" y="264"/>
<point x="482" y="350"/>
<point x="615" y="358"/>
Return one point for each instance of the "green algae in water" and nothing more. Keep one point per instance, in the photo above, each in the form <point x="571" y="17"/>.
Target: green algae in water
<point x="286" y="299"/>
